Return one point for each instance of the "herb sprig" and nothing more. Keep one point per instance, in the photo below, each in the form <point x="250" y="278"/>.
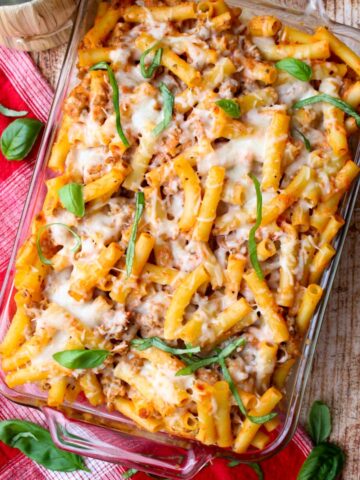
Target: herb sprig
<point x="252" y="242"/>
<point x="130" y="252"/>
<point x="168" y="105"/>
<point x="144" y="343"/>
<point x="115" y="98"/>
<point x="305" y="140"/>
<point x="42" y="257"/>
<point x="336" y="102"/>
<point x="148" y="72"/>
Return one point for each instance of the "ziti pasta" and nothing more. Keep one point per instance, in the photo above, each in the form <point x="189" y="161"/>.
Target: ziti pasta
<point x="176" y="264"/>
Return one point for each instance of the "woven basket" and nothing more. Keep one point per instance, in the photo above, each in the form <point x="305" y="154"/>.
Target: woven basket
<point x="36" y="24"/>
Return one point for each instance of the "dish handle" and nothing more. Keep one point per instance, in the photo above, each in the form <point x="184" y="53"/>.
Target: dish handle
<point x="147" y="454"/>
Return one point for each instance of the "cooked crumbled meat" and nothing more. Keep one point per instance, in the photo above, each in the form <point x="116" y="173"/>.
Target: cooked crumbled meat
<point x="114" y="323"/>
<point x="208" y="376"/>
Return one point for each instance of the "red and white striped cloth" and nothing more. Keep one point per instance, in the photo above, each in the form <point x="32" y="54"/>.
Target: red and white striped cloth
<point x="23" y="88"/>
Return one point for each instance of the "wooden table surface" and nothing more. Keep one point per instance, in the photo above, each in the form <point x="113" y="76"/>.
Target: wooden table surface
<point x="335" y="376"/>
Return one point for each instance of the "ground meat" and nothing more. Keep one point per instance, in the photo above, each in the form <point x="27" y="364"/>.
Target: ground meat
<point x="207" y="375"/>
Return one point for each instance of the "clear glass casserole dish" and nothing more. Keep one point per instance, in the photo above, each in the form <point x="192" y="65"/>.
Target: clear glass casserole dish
<point x="79" y="427"/>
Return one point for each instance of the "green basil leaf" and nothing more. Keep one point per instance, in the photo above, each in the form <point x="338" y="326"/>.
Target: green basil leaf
<point x="130" y="251"/>
<point x="144" y="343"/>
<point x="296" y="68"/>
<point x="257" y="469"/>
<point x="252" y="242"/>
<point x="8" y="112"/>
<point x="231" y="347"/>
<point x="19" y="137"/>
<point x="336" y="102"/>
<point x="168" y="105"/>
<point x="129" y="473"/>
<point x="42" y="257"/>
<point x="234" y="463"/>
<point x="263" y="418"/>
<point x="193" y="366"/>
<point x="72" y="198"/>
<point x="81" y="358"/>
<point x="115" y="98"/>
<point x="325" y="462"/>
<point x="20" y="434"/>
<point x="319" y="425"/>
<point x="229" y="380"/>
<point x="148" y="72"/>
<point x="304" y="139"/>
<point x="230" y="107"/>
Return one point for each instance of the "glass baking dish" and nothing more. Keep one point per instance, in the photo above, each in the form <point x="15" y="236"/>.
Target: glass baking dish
<point x="109" y="436"/>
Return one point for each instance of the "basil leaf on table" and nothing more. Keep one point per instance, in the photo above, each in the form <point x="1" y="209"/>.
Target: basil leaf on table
<point x="252" y="242"/>
<point x="42" y="257"/>
<point x="230" y="107"/>
<point x="9" y="112"/>
<point x="36" y="443"/>
<point x="72" y="198"/>
<point x="297" y="68"/>
<point x="325" y="462"/>
<point x="168" y="105"/>
<point x="130" y="251"/>
<point x="319" y="424"/>
<point x="144" y="343"/>
<point x="148" y="72"/>
<point x="19" y="137"/>
<point x="81" y="358"/>
<point x="336" y="102"/>
<point x="115" y="98"/>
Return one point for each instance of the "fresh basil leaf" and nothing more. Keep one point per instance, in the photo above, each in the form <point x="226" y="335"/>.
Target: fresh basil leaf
<point x="229" y="380"/>
<point x="325" y="462"/>
<point x="20" y="434"/>
<point x="130" y="251"/>
<point x="319" y="425"/>
<point x="234" y="463"/>
<point x="336" y="102"/>
<point x="193" y="366"/>
<point x="231" y="347"/>
<point x="168" y="105"/>
<point x="263" y="418"/>
<point x="144" y="343"/>
<point x="304" y="139"/>
<point x="81" y="358"/>
<point x="148" y="72"/>
<point x="9" y="112"/>
<point x="252" y="242"/>
<point x="296" y="68"/>
<point x="115" y="98"/>
<point x="42" y="257"/>
<point x="72" y="198"/>
<point x="230" y="107"/>
<point x="19" y="137"/>
<point x="129" y="473"/>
